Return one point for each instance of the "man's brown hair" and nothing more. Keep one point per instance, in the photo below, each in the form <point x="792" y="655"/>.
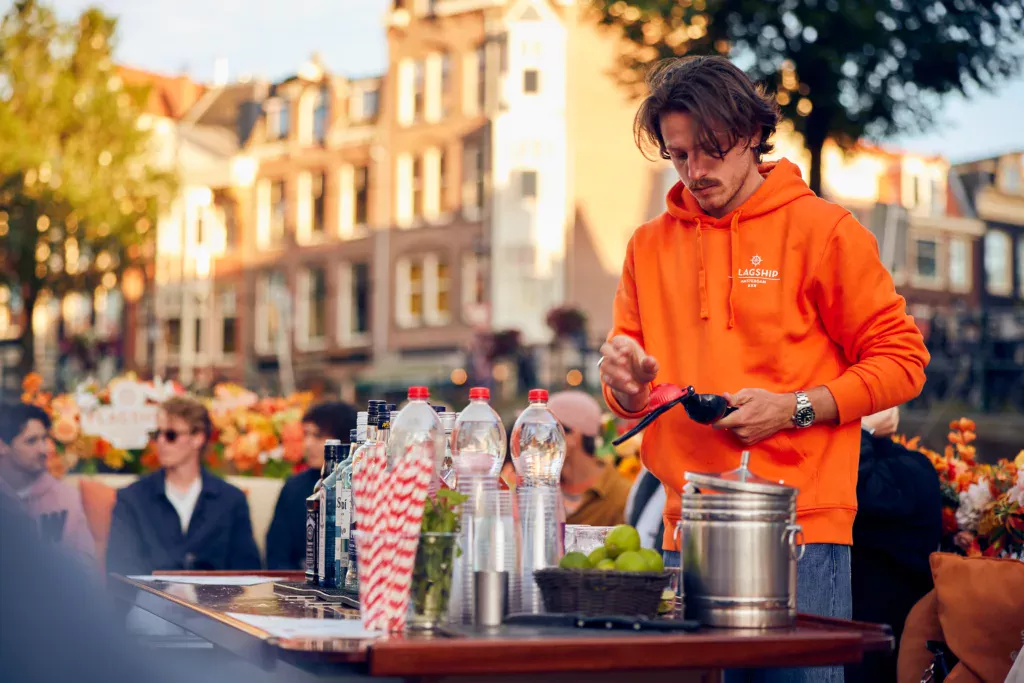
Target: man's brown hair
<point x="194" y="413"/>
<point x="725" y="104"/>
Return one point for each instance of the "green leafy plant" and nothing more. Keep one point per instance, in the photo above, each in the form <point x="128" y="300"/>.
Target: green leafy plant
<point x="441" y="513"/>
<point x="435" y="556"/>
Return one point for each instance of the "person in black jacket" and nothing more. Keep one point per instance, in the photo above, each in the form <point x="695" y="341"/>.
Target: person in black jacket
<point x="286" y="537"/>
<point x="181" y="517"/>
<point x="898" y="525"/>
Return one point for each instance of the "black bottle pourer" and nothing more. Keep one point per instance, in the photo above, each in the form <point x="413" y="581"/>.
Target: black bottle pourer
<point x="702" y="408"/>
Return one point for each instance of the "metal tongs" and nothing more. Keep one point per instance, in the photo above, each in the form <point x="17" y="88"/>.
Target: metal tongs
<point x="702" y="408"/>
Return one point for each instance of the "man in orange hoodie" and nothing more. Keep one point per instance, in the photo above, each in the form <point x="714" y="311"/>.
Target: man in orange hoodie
<point x="751" y="286"/>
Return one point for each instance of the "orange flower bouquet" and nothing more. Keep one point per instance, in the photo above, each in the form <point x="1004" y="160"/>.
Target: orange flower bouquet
<point x="983" y="505"/>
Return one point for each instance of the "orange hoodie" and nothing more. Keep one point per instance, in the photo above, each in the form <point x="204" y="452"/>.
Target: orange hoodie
<point x="785" y="293"/>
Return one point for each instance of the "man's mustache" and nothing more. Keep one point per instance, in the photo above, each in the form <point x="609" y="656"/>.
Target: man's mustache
<point x="703" y="185"/>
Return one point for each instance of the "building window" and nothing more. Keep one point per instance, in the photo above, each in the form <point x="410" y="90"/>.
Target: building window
<point x="440" y="304"/>
<point x="418" y="91"/>
<point x="927" y="259"/>
<point x="371" y="104"/>
<point x="474" y="282"/>
<point x="319" y="183"/>
<point x="321" y="109"/>
<point x="198" y="329"/>
<point x="278" y="120"/>
<point x="473" y="180"/>
<point x="1011" y="176"/>
<point x="172" y="335"/>
<point x="228" y="303"/>
<point x="423" y="292"/>
<point x="313" y="307"/>
<point x="446" y="84"/>
<point x="231" y="236"/>
<point x="998" y="276"/>
<point x="362" y="195"/>
<point x="200" y="226"/>
<point x="271" y="295"/>
<point x="417" y="188"/>
<point x="354" y="304"/>
<point x="481" y="78"/>
<point x="531" y="81"/>
<point x="278" y="212"/>
<point x="442" y="181"/>
<point x="959" y="265"/>
<point x="1020" y="266"/>
<point x="529" y="184"/>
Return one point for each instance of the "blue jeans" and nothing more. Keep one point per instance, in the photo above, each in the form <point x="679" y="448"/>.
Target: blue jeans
<point x="823" y="589"/>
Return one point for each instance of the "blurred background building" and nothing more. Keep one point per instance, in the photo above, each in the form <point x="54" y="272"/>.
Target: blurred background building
<point x="462" y="217"/>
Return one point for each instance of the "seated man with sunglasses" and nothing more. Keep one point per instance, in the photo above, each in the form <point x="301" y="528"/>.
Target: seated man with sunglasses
<point x="181" y="517"/>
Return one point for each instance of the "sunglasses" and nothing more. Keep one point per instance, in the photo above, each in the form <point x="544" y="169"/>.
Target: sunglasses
<point x="170" y="435"/>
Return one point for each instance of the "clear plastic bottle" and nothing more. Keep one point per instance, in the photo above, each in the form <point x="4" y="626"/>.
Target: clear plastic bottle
<point x="538" y="443"/>
<point x="417" y="424"/>
<point x="479" y="430"/>
<point x="448" y="474"/>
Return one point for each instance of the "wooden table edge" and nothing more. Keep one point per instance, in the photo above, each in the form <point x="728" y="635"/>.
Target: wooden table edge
<point x="258" y="641"/>
<point x="630" y="653"/>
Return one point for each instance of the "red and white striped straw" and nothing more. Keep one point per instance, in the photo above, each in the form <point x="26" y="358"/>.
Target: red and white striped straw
<point x="412" y="486"/>
<point x="368" y="488"/>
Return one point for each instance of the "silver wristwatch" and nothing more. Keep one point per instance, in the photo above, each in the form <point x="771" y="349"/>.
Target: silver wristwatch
<point x="804" y="415"/>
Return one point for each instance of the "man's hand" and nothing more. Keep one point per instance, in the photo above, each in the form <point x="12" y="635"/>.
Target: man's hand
<point x="883" y="423"/>
<point x="628" y="372"/>
<point x="761" y="414"/>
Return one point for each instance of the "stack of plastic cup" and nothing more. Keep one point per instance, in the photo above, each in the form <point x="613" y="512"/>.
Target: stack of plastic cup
<point x="487" y="532"/>
<point x="542" y="541"/>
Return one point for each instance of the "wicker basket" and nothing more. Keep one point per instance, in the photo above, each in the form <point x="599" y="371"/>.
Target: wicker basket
<point x="597" y="593"/>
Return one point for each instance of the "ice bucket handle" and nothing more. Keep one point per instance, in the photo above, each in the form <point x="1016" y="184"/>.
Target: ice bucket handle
<point x="794" y="538"/>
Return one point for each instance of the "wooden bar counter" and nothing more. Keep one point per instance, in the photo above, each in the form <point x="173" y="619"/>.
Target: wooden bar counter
<point x="523" y="653"/>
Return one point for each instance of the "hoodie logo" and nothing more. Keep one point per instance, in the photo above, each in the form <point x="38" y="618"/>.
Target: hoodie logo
<point x="752" y="277"/>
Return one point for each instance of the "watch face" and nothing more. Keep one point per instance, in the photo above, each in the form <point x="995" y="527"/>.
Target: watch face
<point x="804" y="417"/>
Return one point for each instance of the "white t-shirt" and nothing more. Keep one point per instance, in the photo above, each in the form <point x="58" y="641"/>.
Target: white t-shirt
<point x="185" y="502"/>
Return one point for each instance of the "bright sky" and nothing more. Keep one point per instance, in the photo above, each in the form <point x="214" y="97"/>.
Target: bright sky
<point x="270" y="38"/>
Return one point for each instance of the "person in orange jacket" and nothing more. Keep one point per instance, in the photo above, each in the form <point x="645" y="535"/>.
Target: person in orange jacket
<point x="752" y="287"/>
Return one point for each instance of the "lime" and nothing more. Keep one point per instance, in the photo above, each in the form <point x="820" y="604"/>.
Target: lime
<point x="606" y="565"/>
<point x="653" y="558"/>
<point x="621" y="539"/>
<point x="630" y="561"/>
<point x="574" y="560"/>
<point x="597" y="554"/>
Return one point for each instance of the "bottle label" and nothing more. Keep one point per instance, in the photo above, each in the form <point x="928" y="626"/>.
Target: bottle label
<point x="345" y="513"/>
<point x="312" y="543"/>
<point x="321" y="554"/>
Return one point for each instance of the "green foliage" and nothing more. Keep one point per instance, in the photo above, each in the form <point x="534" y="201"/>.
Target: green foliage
<point x="78" y="196"/>
<point x="873" y="67"/>
<point x="441" y="513"/>
<point x="436" y="553"/>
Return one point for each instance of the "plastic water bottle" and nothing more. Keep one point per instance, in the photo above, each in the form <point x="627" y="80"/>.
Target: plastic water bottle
<point x="479" y="429"/>
<point x="538" y="451"/>
<point x="448" y="474"/>
<point x="538" y="443"/>
<point x="417" y="425"/>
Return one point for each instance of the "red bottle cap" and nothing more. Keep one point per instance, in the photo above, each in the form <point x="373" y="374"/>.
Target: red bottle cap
<point x="480" y="393"/>
<point x="419" y="393"/>
<point x="538" y="395"/>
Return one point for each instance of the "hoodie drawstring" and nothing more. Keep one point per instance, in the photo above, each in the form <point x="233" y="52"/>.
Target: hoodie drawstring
<point x="702" y="281"/>
<point x="734" y="259"/>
